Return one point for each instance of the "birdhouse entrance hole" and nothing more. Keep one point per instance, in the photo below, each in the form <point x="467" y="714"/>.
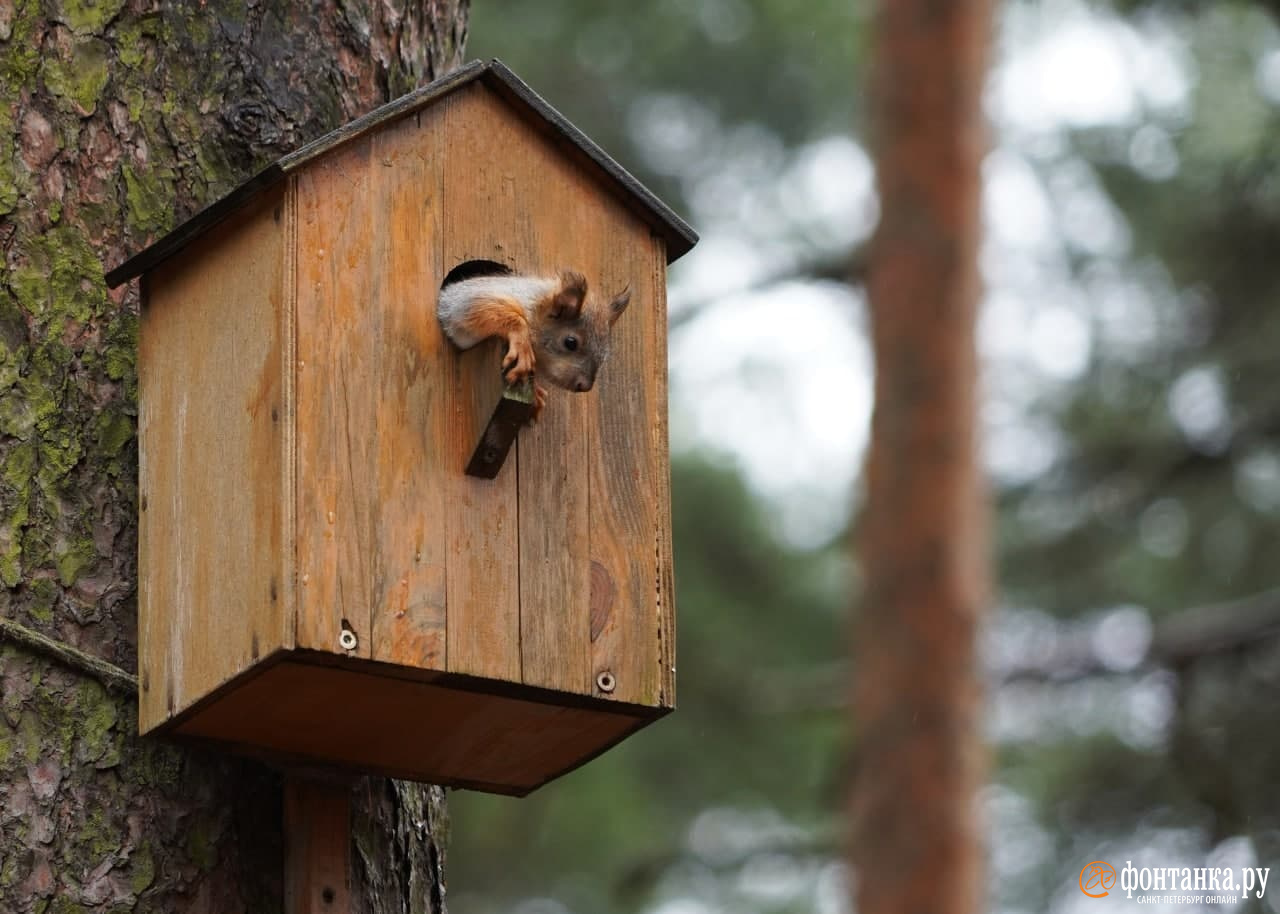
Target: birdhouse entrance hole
<point x="513" y="409"/>
<point x="470" y="269"/>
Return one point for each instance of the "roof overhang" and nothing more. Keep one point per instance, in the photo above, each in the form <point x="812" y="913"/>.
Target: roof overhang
<point x="677" y="233"/>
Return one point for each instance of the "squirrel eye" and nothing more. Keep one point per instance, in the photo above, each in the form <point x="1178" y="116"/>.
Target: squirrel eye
<point x="571" y="343"/>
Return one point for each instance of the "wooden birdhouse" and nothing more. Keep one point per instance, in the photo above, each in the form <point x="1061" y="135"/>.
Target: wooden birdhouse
<point x="319" y="579"/>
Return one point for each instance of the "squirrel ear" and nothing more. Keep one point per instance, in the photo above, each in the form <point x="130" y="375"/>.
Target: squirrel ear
<point x="619" y="304"/>
<point x="567" y="303"/>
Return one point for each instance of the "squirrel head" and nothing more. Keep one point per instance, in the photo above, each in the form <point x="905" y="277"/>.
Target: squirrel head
<point x="571" y="338"/>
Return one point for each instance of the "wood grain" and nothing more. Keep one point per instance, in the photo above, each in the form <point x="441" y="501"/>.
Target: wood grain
<point x="665" y="607"/>
<point x="553" y="210"/>
<point x="412" y="396"/>
<point x="338" y="320"/>
<point x="210" y="455"/>
<point x="317" y="846"/>
<point x="417" y="730"/>
<point x="483" y="220"/>
<point x="372" y="398"/>
<point x="628" y="497"/>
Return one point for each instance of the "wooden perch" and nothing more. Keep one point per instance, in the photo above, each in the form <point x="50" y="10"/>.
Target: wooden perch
<point x="514" y="410"/>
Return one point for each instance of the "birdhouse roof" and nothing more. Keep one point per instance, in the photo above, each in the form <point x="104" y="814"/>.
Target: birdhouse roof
<point x="523" y="100"/>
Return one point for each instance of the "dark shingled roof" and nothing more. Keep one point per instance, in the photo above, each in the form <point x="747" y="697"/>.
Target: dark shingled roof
<point x="674" y="230"/>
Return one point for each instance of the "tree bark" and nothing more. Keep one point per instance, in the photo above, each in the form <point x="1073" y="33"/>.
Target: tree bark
<point x="916" y="842"/>
<point x="120" y="118"/>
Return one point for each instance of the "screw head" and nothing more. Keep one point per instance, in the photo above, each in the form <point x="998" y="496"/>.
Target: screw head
<point x="347" y="640"/>
<point x="605" y="682"/>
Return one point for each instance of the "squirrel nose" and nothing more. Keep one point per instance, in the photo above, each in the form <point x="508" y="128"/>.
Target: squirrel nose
<point x="582" y="385"/>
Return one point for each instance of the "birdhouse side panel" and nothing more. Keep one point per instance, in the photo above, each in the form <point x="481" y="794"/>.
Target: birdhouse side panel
<point x="212" y="408"/>
<point x="374" y="399"/>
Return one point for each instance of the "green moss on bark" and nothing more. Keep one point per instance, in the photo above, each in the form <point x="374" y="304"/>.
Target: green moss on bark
<point x="73" y="558"/>
<point x="11" y="530"/>
<point x="8" y="176"/>
<point x="78" y="82"/>
<point x="87" y="17"/>
<point x="30" y="738"/>
<point x="143" y="866"/>
<point x="149" y="195"/>
<point x="64" y="905"/>
<point x="19" y="467"/>
<point x="44" y="596"/>
<point x="98" y="712"/>
<point x="20" y="55"/>
<point x="62" y="280"/>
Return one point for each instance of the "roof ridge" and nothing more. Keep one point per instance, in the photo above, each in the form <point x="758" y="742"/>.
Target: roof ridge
<point x="680" y="237"/>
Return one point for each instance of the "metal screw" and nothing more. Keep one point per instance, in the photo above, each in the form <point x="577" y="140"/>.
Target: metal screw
<point x="348" y="640"/>
<point x="605" y="682"/>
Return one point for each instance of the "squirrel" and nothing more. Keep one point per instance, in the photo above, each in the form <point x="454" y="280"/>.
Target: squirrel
<point x="549" y="324"/>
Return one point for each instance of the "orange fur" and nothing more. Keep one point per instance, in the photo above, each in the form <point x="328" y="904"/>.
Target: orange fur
<point x="504" y="317"/>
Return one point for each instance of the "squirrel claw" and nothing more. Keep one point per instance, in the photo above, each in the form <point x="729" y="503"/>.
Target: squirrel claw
<point x="539" y="402"/>
<point x="518" y="362"/>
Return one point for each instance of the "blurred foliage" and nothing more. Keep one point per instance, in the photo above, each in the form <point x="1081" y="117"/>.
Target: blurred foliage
<point x="1162" y="490"/>
<point x="672" y="87"/>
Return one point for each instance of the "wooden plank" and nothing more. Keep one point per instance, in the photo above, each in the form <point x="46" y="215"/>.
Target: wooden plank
<point x="408" y="479"/>
<point x="211" y="437"/>
<point x="555" y="630"/>
<point x="665" y="606"/>
<point x="338" y="315"/>
<point x="510" y="173"/>
<point x="317" y="845"/>
<point x="485" y="218"/>
<point x="286" y="591"/>
<point x="628" y="512"/>
<point x="354" y="719"/>
<point x="373" y="399"/>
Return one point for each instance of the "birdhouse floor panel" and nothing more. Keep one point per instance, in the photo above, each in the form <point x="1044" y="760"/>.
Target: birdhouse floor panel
<point x="302" y="707"/>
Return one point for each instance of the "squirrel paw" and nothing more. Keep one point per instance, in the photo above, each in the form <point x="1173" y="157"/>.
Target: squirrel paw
<point x="518" y="362"/>
<point x="539" y="402"/>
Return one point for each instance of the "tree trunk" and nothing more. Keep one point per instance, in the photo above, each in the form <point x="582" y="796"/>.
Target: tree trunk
<point x="916" y="843"/>
<point x="121" y="118"/>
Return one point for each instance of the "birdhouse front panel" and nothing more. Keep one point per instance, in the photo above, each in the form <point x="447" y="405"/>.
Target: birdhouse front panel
<point x="321" y="581"/>
<point x="424" y="565"/>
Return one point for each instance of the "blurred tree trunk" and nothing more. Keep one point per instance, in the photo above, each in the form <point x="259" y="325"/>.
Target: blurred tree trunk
<point x="916" y="841"/>
<point x="120" y="118"/>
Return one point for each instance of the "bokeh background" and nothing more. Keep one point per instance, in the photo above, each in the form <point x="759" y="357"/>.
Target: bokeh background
<point x="1130" y="338"/>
